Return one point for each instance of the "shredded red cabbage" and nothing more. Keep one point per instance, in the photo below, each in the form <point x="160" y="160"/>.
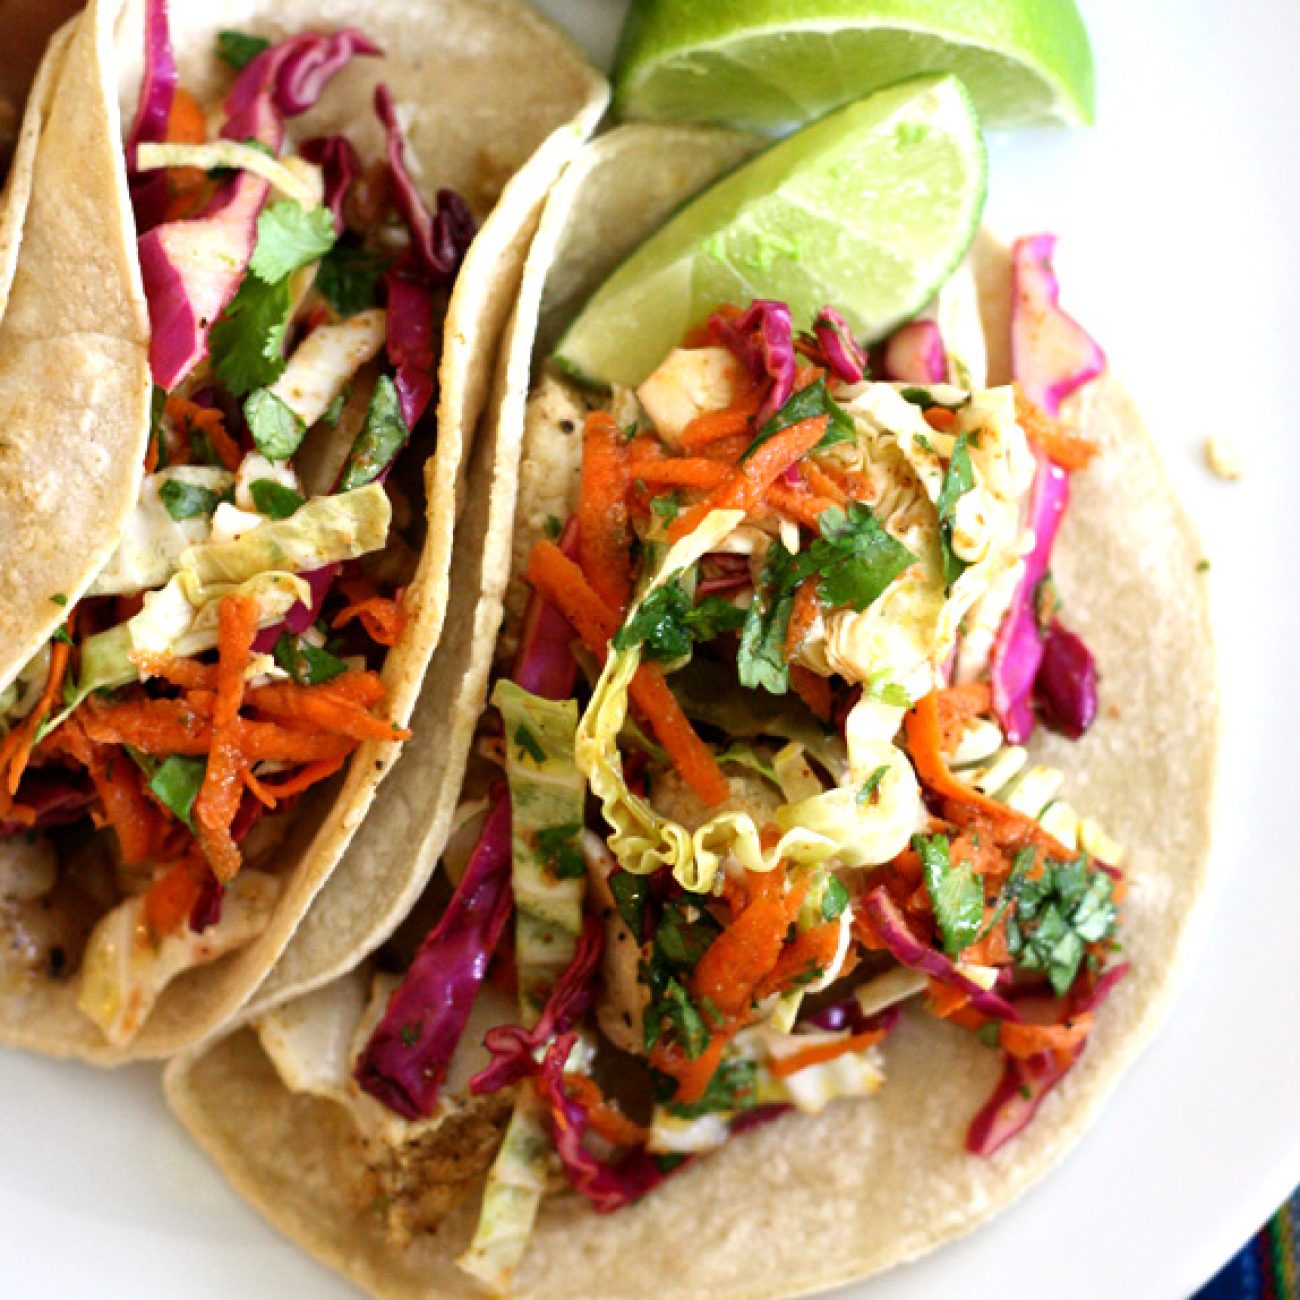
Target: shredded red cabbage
<point x="513" y="1047"/>
<point x="293" y="74"/>
<point x="762" y="340"/>
<point x="1024" y="1084"/>
<point x="915" y="355"/>
<point x="408" y="1055"/>
<point x="906" y="948"/>
<point x="300" y="617"/>
<point x="544" y="664"/>
<point x="440" y="239"/>
<point x="158" y="89"/>
<point x="340" y="165"/>
<point x="409" y="343"/>
<point x="1065" y="687"/>
<point x="843" y="353"/>
<point x="56" y="796"/>
<point x="206" y="911"/>
<point x="606" y="1185"/>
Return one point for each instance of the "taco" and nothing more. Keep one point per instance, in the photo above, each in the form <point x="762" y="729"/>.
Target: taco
<point x="838" y="901"/>
<point x="251" y="331"/>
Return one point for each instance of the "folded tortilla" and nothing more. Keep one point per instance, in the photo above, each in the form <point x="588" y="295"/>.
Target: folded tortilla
<point x="808" y="1201"/>
<point x="495" y="101"/>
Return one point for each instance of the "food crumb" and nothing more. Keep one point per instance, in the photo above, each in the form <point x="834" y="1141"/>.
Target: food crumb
<point x="1223" y="458"/>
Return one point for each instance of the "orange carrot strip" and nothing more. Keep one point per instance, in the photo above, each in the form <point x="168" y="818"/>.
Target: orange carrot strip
<point x="557" y="578"/>
<point x="258" y="790"/>
<point x="1023" y="1039"/>
<point x="151" y="726"/>
<point x="321" y="710"/>
<point x="925" y="745"/>
<point x="16" y="748"/>
<point x="957" y="706"/>
<point x="807" y="606"/>
<point x="223" y="785"/>
<point x="940" y="419"/>
<point x="301" y="780"/>
<point x="383" y="618"/>
<point x="186" y="122"/>
<point x="689" y="472"/>
<point x="822" y="1052"/>
<point x="822" y="483"/>
<point x="169" y="901"/>
<point x="745" y="951"/>
<point x="1069" y="448"/>
<point x="606" y="1118"/>
<point x="132" y="816"/>
<point x="604" y="535"/>
<point x="799" y="506"/>
<point x="747" y="485"/>
<point x="814" y="948"/>
<point x="209" y="421"/>
<point x="693" y="1076"/>
<point x="712" y="426"/>
<point x="944" y="1001"/>
<point x="277" y="744"/>
<point x="188" y="674"/>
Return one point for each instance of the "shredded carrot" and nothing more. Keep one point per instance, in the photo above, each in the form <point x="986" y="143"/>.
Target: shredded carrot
<point x="276" y="744"/>
<point x="822" y="1052"/>
<point x="807" y="606"/>
<point x="799" y="506"/>
<point x="1069" y="448"/>
<point x="301" y="780"/>
<point x="188" y="674"/>
<point x="159" y="727"/>
<point x="186" y="122"/>
<point x="1022" y="1039"/>
<point x="170" y="900"/>
<point x="605" y="1118"/>
<point x="604" y="534"/>
<point x="560" y="580"/>
<point x="223" y="785"/>
<point x="16" y="747"/>
<point x="210" y="422"/>
<point x="992" y="949"/>
<point x="745" y="951"/>
<point x="746" y="398"/>
<point x="320" y="709"/>
<point x="925" y="745"/>
<point x="811" y="954"/>
<point x="693" y="1076"/>
<point x="383" y="618"/>
<point x="727" y="451"/>
<point x="957" y="706"/>
<point x="127" y="809"/>
<point x="687" y="472"/>
<point x="945" y="1001"/>
<point x="751" y="480"/>
<point x="822" y="483"/>
<point x="940" y="419"/>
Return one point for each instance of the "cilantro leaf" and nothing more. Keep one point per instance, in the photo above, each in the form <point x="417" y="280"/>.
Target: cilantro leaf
<point x="186" y="500"/>
<point x="630" y="894"/>
<point x="274" y="499"/>
<point x="958" y="479"/>
<point x="835" y="898"/>
<point x="712" y="617"/>
<point x="760" y="661"/>
<point x="382" y="436"/>
<point x="290" y="236"/>
<point x="668" y="623"/>
<point x="247" y="343"/>
<point x="667" y="507"/>
<point x="807" y="404"/>
<point x="277" y="431"/>
<point x="349" y="278"/>
<point x="869" y="787"/>
<point x="559" y="846"/>
<point x="239" y="49"/>
<point x="955" y="892"/>
<point x="529" y="744"/>
<point x="673" y="1013"/>
<point x="731" y="1088"/>
<point x="304" y="662"/>
<point x="177" y="782"/>
<point x="856" y="558"/>
<point x="1057" y="915"/>
<point x="684" y="934"/>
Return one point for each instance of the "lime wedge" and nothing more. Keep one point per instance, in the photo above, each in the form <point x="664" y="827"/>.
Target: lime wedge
<point x="869" y="210"/>
<point x="765" y="64"/>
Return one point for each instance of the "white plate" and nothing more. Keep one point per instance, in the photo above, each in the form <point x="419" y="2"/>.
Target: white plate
<point x="1178" y="217"/>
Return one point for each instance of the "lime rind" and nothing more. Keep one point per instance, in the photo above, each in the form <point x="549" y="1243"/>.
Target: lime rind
<point x="871" y="209"/>
<point x="752" y="63"/>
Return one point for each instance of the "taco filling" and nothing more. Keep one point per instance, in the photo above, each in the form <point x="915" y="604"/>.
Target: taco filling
<point x="227" y="659"/>
<point x="753" y="778"/>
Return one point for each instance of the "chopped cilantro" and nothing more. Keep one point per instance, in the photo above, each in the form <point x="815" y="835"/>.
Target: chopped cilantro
<point x="59" y="598"/>
<point x="177" y="782"/>
<point x="684" y="934"/>
<point x="760" y="661"/>
<point x="667" y="623"/>
<point x="835" y="898"/>
<point x="529" y="744"/>
<point x="869" y="787"/>
<point x="856" y="558"/>
<point x="553" y="527"/>
<point x="186" y="500"/>
<point x="630" y="893"/>
<point x="305" y="662"/>
<point x="1203" y="566"/>
<point x="559" y="846"/>
<point x="274" y="499"/>
<point x="958" y="479"/>
<point x="410" y="1035"/>
<point x="288" y="238"/>
<point x="807" y="404"/>
<point x="247" y="343"/>
<point x="956" y="893"/>
<point x="277" y="431"/>
<point x="673" y="1013"/>
<point x="731" y="1088"/>
<point x="990" y="1035"/>
<point x="880" y="688"/>
<point x="1057" y="915"/>
<point x="667" y="507"/>
<point x="157" y="434"/>
<point x="61" y="634"/>
<point x="334" y="411"/>
<point x="349" y="277"/>
<point x="239" y="49"/>
<point x="382" y="436"/>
